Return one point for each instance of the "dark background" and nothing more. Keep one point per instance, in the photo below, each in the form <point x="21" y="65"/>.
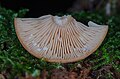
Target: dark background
<point x="38" y="7"/>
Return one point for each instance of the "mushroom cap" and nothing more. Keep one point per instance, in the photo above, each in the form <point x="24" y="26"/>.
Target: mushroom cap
<point x="59" y="39"/>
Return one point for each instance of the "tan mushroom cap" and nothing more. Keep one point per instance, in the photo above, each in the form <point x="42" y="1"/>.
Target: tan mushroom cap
<point x="59" y="39"/>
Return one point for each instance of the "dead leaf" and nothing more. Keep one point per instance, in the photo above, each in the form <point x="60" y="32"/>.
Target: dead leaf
<point x="1" y="76"/>
<point x="84" y="74"/>
<point x="59" y="74"/>
<point x="73" y="75"/>
<point x="44" y="74"/>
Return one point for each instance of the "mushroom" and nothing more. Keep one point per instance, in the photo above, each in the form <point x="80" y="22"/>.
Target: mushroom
<point x="59" y="39"/>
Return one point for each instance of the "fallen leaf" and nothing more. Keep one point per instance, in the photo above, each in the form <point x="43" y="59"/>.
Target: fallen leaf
<point x="1" y="76"/>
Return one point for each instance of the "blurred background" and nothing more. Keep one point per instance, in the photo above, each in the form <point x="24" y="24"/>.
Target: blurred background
<point x="42" y="7"/>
